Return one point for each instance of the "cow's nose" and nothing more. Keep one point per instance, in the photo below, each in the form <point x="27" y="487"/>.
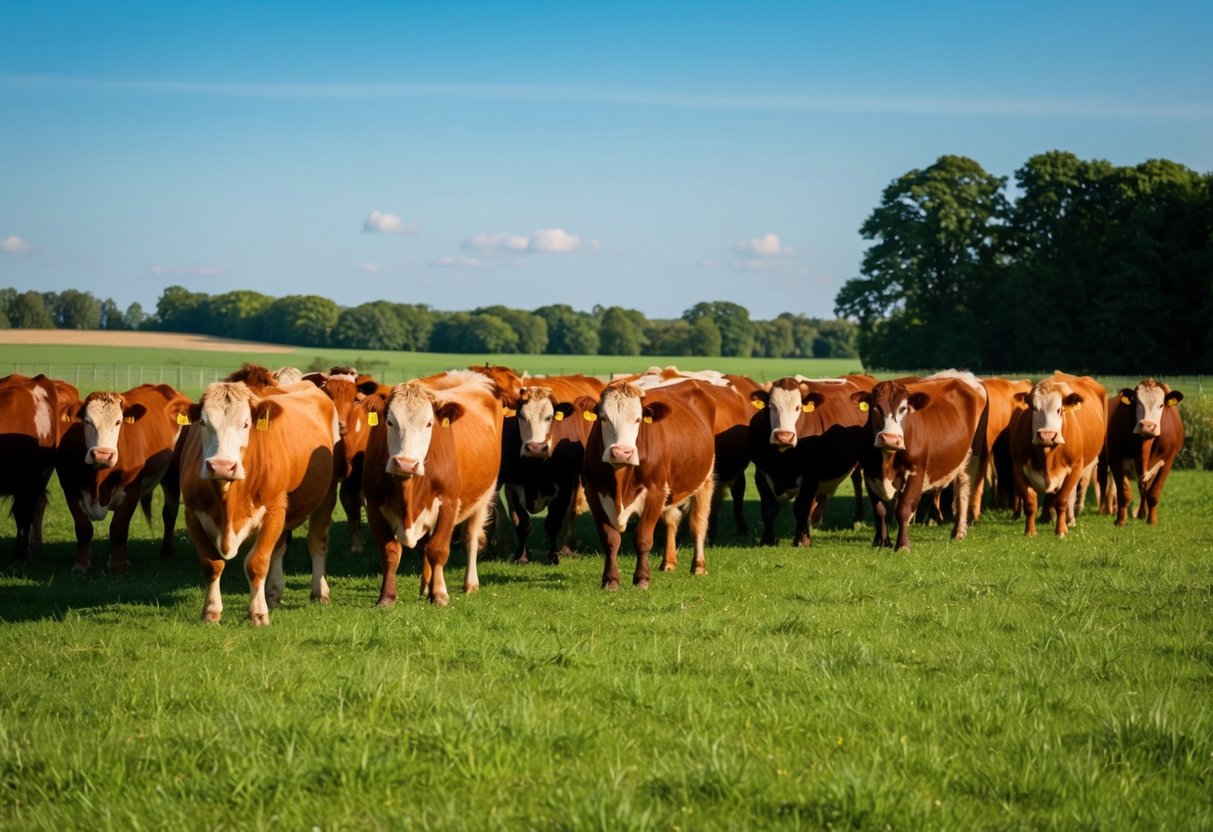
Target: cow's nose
<point x="890" y="440"/>
<point x="536" y="447"/>
<point x="221" y="469"/>
<point x="104" y="457"/>
<point x="783" y="437"/>
<point x="622" y="453"/>
<point x="1046" y="436"/>
<point x="403" y="465"/>
<point x="1148" y="427"/>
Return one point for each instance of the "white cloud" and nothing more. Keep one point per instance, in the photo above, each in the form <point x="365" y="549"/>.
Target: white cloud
<point x="488" y="244"/>
<point x="371" y="268"/>
<point x="545" y="240"/>
<point x="456" y="263"/>
<point x="705" y="264"/>
<point x="188" y="271"/>
<point x="379" y="222"/>
<point x="555" y="240"/>
<point x="15" y="245"/>
<point x="768" y="245"/>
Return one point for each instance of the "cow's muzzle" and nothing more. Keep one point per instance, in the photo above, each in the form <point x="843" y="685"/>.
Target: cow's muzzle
<point x="101" y="457"/>
<point x="620" y="455"/>
<point x="783" y="438"/>
<point x="891" y="441"/>
<point x="1048" y="438"/>
<point x="1147" y="428"/>
<point x="223" y="469"/>
<point x="536" y="450"/>
<point x="403" y="466"/>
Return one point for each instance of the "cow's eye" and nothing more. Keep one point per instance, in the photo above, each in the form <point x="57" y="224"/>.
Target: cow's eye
<point x="430" y="423"/>
<point x="117" y="422"/>
<point x="245" y="425"/>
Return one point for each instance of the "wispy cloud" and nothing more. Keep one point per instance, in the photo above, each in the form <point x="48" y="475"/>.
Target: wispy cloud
<point x="768" y="245"/>
<point x="455" y="263"/>
<point x="758" y="101"/>
<point x="380" y="222"/>
<point x="188" y="271"/>
<point x="544" y="240"/>
<point x="15" y="245"/>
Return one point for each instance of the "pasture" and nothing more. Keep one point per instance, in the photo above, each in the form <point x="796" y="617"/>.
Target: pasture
<point x="998" y="682"/>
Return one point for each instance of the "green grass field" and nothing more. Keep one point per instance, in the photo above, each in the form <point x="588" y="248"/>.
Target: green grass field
<point x="997" y="682"/>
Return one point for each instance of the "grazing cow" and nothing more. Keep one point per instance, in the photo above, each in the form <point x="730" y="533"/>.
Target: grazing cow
<point x="805" y="440"/>
<point x="118" y="449"/>
<point x="922" y="434"/>
<point x="1056" y="435"/>
<point x="264" y="465"/>
<point x="542" y="447"/>
<point x="431" y="463"/>
<point x="650" y="453"/>
<point x="1145" y="432"/>
<point x="32" y="411"/>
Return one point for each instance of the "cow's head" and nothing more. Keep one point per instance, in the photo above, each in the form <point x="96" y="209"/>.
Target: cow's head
<point x="1049" y="402"/>
<point x="622" y="411"/>
<point x="889" y="407"/>
<point x="538" y="412"/>
<point x="103" y="415"/>
<point x="412" y="413"/>
<point x="227" y="413"/>
<point x="1150" y="398"/>
<point x="785" y="401"/>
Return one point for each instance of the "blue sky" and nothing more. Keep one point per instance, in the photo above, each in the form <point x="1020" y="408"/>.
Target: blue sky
<point x="646" y="155"/>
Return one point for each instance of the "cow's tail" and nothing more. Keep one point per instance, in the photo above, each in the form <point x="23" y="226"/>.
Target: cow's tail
<point x="979" y="436"/>
<point x="145" y="504"/>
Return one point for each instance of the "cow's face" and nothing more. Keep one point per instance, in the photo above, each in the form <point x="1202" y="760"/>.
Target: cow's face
<point x="102" y="415"/>
<point x="622" y="412"/>
<point x="537" y="414"/>
<point x="412" y="414"/>
<point x="227" y="418"/>
<point x="1150" y="398"/>
<point x="1050" y="401"/>
<point x="785" y="402"/>
<point x="892" y="405"/>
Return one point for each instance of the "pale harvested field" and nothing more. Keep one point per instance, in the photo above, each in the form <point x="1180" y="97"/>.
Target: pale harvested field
<point x="152" y="340"/>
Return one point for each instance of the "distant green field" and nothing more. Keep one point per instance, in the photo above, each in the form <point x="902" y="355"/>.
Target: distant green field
<point x="998" y="682"/>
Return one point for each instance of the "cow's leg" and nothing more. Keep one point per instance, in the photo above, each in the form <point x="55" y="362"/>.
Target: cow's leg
<point x="212" y="568"/>
<point x="962" y="496"/>
<point x="801" y="511"/>
<point x="438" y="551"/>
<point x="646" y="525"/>
<point x="857" y="487"/>
<point x="610" y="541"/>
<point x="120" y="527"/>
<point x="385" y="540"/>
<point x="907" y="503"/>
<point x="769" y="503"/>
<point x="1065" y="498"/>
<point x="35" y="529"/>
<point x="560" y="514"/>
<point x="318" y="526"/>
<point x="515" y="497"/>
<point x="84" y="533"/>
<point x="170" y="489"/>
<point x="257" y="562"/>
<point x="275" y="582"/>
<point x="978" y="488"/>
<point x="351" y="503"/>
<point x="880" y="519"/>
<point x="737" y="492"/>
<point x="1155" y="492"/>
<point x="700" y="504"/>
<point x="472" y="529"/>
<point x="671" y="517"/>
<point x="714" y="514"/>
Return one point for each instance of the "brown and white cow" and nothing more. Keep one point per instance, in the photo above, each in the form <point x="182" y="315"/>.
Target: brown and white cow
<point x="542" y="448"/>
<point x="921" y="435"/>
<point x="258" y="465"/>
<point x="431" y="463"/>
<point x="650" y="453"/>
<point x="805" y="440"/>
<point x="1145" y="433"/>
<point x="1056" y="435"/>
<point x="118" y="449"/>
<point x="997" y="468"/>
<point x="32" y="421"/>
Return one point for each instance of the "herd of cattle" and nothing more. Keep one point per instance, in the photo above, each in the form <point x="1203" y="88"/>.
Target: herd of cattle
<point x="264" y="451"/>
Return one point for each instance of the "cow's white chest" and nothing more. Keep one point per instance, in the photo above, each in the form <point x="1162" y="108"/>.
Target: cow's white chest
<point x="1044" y="483"/>
<point x="618" y="516"/>
<point x="782" y="496"/>
<point x="95" y="509"/>
<point x="882" y="487"/>
<point x="227" y="538"/>
<point x="42" y="415"/>
<point x="419" y="528"/>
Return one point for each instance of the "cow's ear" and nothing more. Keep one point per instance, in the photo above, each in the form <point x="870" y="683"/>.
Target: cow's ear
<point x="655" y="412"/>
<point x="811" y="401"/>
<point x="367" y="386"/>
<point x="562" y="411"/>
<point x="1173" y="398"/>
<point x="317" y="379"/>
<point x="919" y="400"/>
<point x="1021" y="400"/>
<point x="447" y="412"/>
<point x="178" y="411"/>
<point x="509" y="399"/>
<point x="1126" y="395"/>
<point x="586" y="405"/>
<point x="194" y="411"/>
<point x="70" y="411"/>
<point x="133" y="414"/>
<point x="265" y="413"/>
<point x="1071" y="403"/>
<point x="760" y="399"/>
<point x="862" y="399"/>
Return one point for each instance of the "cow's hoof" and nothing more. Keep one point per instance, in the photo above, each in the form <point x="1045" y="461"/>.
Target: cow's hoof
<point x="668" y="566"/>
<point x="386" y="601"/>
<point x="211" y="617"/>
<point x="440" y="600"/>
<point x="641" y="583"/>
<point x="468" y="589"/>
<point x="802" y="543"/>
<point x="320" y="599"/>
<point x="260" y="619"/>
<point x="610" y="586"/>
<point x="79" y="569"/>
<point x="699" y="570"/>
<point x="522" y="559"/>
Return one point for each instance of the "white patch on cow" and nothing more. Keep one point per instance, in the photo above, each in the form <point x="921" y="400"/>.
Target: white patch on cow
<point x="1042" y="483"/>
<point x="42" y="414"/>
<point x="621" y="419"/>
<point x="420" y="527"/>
<point x="828" y="487"/>
<point x="357" y="424"/>
<point x="227" y="539"/>
<point x="946" y="480"/>
<point x="882" y="488"/>
<point x="784" y="407"/>
<point x="618" y="517"/>
<point x="1149" y="475"/>
<point x="95" y="509"/>
<point x="789" y="494"/>
<point x="799" y="377"/>
<point x="102" y="419"/>
<point x="1150" y="400"/>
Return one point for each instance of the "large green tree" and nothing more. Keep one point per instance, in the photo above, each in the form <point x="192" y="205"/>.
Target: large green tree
<point x="368" y="326"/>
<point x="302" y="320"/>
<point x="180" y="310"/>
<point x="28" y="311"/>
<point x="737" y="331"/>
<point x="569" y="332"/>
<point x="236" y="314"/>
<point x="77" y="310"/>
<point x="620" y="332"/>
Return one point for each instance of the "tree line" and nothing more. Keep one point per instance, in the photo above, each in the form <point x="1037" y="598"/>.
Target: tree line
<point x="712" y="328"/>
<point x="1083" y="265"/>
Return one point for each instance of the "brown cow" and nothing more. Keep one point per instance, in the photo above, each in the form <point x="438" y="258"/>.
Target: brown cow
<point x="1056" y="435"/>
<point x="263" y="465"/>
<point x="542" y="448"/>
<point x="1145" y="432"/>
<point x="650" y="453"/>
<point x="922" y="434"/>
<point x="32" y="411"/>
<point x="431" y="463"/>
<point x="997" y="468"/>
<point x="805" y="440"/>
<point x="118" y="449"/>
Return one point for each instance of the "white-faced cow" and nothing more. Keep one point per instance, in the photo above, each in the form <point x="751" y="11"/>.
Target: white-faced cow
<point x="431" y="463"/>
<point x="922" y="434"/>
<point x="1145" y="432"/>
<point x="650" y="454"/>
<point x="258" y="465"/>
<point x="119" y="448"/>
<point x="1056" y="436"/>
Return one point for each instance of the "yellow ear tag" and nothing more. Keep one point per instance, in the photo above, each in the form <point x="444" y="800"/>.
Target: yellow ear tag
<point x="1125" y="400"/>
<point x="559" y="417"/>
<point x="446" y="423"/>
<point x="648" y="420"/>
<point x="863" y="406"/>
<point x="589" y="416"/>
<point x="372" y="418"/>
<point x="759" y="404"/>
<point x="1171" y="402"/>
<point x="508" y="412"/>
<point x="130" y="420"/>
<point x="263" y="423"/>
<point x="809" y="408"/>
<point x="182" y="419"/>
<point x="63" y="417"/>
